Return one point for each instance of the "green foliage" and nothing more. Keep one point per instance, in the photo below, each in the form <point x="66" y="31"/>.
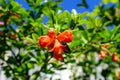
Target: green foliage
<point x="22" y="59"/>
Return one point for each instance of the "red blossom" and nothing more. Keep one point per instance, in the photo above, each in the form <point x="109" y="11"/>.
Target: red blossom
<point x="102" y="54"/>
<point x="65" y="36"/>
<point x="115" y="57"/>
<point x="53" y="43"/>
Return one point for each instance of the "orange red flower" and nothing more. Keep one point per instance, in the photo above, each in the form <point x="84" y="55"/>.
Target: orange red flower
<point x="53" y="42"/>
<point x="65" y="36"/>
<point x="102" y="54"/>
<point x="115" y="57"/>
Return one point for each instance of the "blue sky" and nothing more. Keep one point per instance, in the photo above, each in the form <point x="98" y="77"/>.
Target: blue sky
<point x="70" y="4"/>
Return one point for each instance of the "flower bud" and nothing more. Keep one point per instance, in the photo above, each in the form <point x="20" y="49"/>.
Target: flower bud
<point x="102" y="54"/>
<point x="115" y="57"/>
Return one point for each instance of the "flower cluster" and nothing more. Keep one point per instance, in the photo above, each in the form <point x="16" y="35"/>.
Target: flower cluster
<point x="54" y="42"/>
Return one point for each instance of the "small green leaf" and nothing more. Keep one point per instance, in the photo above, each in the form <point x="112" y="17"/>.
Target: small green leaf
<point x="15" y="5"/>
<point x="30" y="65"/>
<point x="82" y="22"/>
<point x="28" y="39"/>
<point x="35" y="37"/>
<point x="57" y="27"/>
<point x="98" y="22"/>
<point x="106" y="1"/>
<point x="117" y="37"/>
<point x="25" y="58"/>
<point x="113" y="32"/>
<point x="107" y="23"/>
<point x="84" y="36"/>
<point x="114" y="1"/>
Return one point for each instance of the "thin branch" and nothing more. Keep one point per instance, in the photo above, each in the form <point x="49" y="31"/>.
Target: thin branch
<point x="5" y="42"/>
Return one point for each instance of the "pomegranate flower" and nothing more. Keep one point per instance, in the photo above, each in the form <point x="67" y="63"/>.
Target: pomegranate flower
<point x="102" y="54"/>
<point x="53" y="42"/>
<point x="115" y="58"/>
<point x="65" y="36"/>
<point x="46" y="40"/>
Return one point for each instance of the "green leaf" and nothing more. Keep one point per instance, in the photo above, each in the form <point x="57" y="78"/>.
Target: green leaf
<point x="35" y="37"/>
<point x="15" y="5"/>
<point x="23" y="12"/>
<point x="107" y="23"/>
<point x="38" y="2"/>
<point x="84" y="36"/>
<point x="47" y="11"/>
<point x="90" y="23"/>
<point x="81" y="22"/>
<point x="106" y="1"/>
<point x="25" y="58"/>
<point x="113" y="32"/>
<point x="117" y="37"/>
<point x="57" y="27"/>
<point x="105" y="34"/>
<point x="98" y="22"/>
<point x="30" y="65"/>
<point x="29" y="40"/>
<point x="114" y="1"/>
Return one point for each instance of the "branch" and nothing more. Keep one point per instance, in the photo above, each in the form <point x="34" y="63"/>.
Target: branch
<point x="5" y="41"/>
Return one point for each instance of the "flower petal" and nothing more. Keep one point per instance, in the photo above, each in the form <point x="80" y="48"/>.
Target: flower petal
<point x="57" y="49"/>
<point x="58" y="53"/>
